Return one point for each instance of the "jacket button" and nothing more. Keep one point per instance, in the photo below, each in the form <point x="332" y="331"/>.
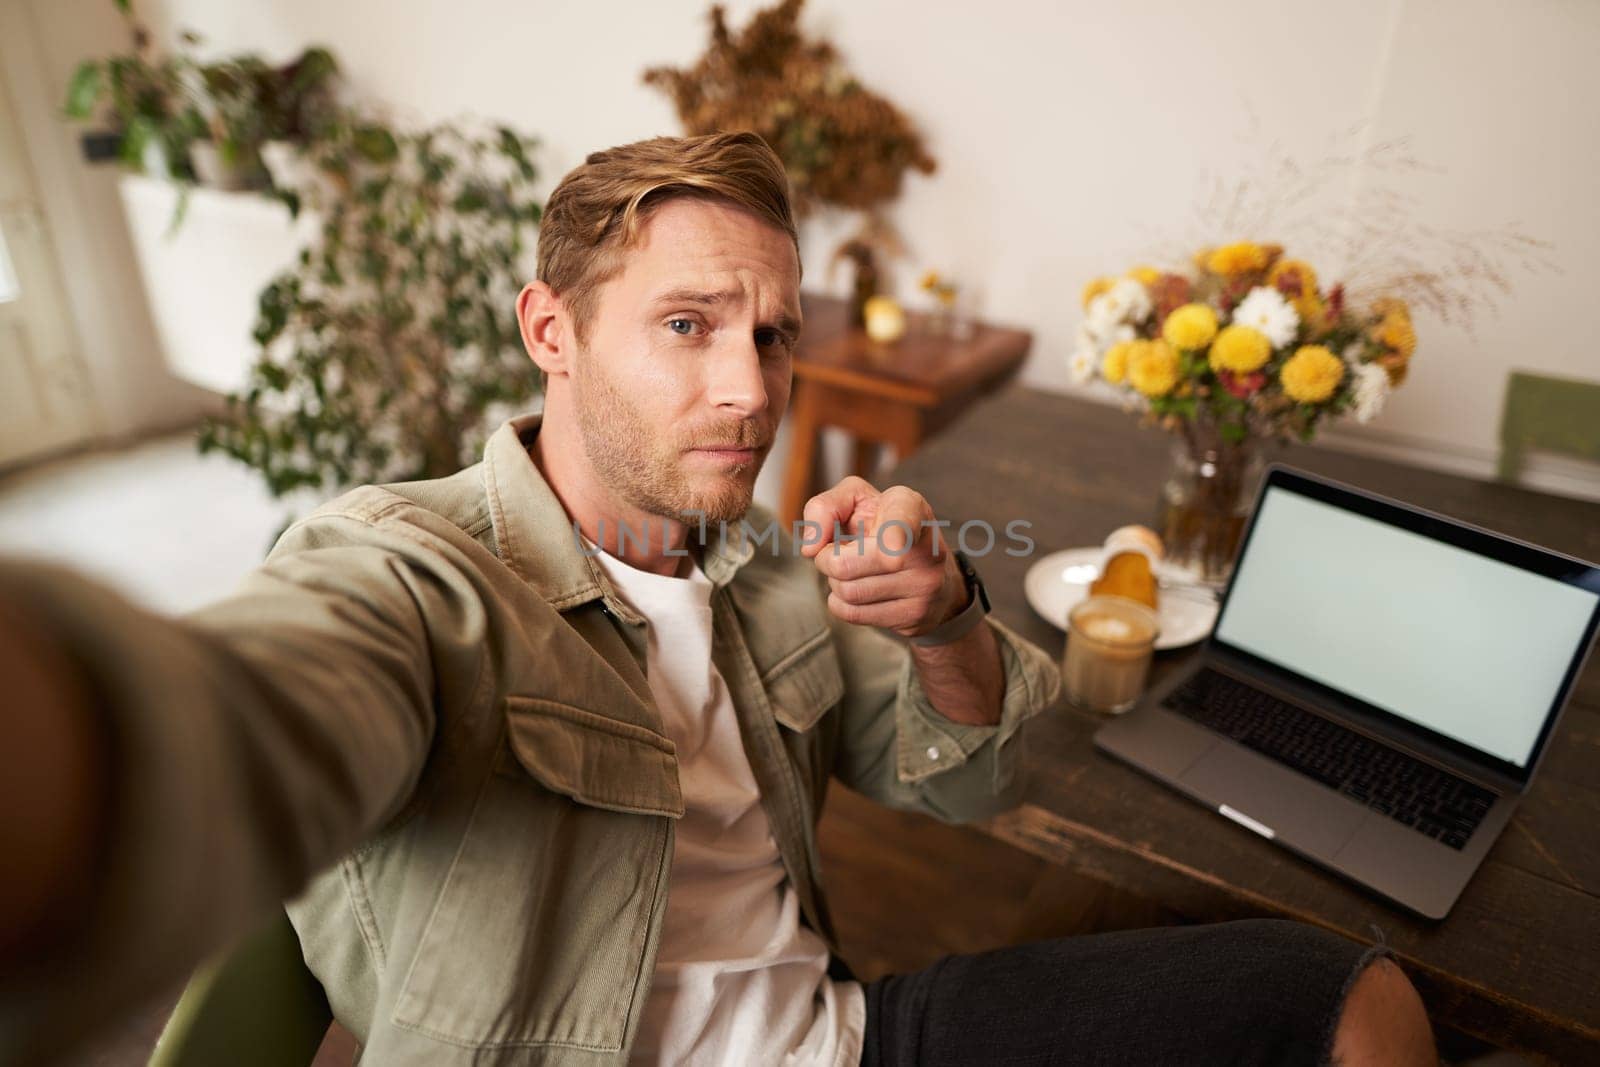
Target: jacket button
<point x="933" y="752"/>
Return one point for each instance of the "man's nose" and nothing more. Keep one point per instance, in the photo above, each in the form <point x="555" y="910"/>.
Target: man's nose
<point x="736" y="383"/>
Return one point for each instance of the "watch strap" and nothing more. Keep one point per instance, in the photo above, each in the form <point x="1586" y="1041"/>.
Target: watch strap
<point x="964" y="622"/>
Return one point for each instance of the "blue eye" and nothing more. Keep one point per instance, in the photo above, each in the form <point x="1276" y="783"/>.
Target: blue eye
<point x="673" y="324"/>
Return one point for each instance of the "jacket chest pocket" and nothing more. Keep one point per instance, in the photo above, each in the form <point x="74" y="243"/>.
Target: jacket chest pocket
<point x="801" y="690"/>
<point x="805" y="684"/>
<point x="539" y="935"/>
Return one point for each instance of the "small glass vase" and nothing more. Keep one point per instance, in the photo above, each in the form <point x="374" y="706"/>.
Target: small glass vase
<point x="1206" y="501"/>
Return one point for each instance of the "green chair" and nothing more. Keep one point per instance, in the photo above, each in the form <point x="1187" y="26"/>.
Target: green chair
<point x="1548" y="414"/>
<point x="257" y="1005"/>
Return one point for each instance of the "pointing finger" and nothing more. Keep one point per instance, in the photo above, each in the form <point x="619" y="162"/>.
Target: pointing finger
<point x="898" y="522"/>
<point x="834" y="509"/>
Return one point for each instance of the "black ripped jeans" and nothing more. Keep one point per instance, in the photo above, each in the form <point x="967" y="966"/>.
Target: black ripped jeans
<point x="1253" y="992"/>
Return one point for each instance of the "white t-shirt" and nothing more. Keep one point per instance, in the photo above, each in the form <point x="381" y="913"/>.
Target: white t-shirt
<point x="738" y="979"/>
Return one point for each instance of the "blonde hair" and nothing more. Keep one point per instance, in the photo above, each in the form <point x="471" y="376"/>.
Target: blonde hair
<point x="595" y="214"/>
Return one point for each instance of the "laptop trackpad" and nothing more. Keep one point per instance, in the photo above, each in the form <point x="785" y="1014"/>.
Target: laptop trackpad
<point x="1302" y="812"/>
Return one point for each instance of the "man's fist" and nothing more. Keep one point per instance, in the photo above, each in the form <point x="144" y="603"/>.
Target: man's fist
<point x="885" y="559"/>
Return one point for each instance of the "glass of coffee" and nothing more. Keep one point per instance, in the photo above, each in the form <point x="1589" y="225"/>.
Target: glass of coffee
<point x="1109" y="643"/>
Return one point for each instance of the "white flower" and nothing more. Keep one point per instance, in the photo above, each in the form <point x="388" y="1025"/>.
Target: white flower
<point x="1082" y="366"/>
<point x="1370" y="389"/>
<point x="1084" y="339"/>
<point x="1127" y="300"/>
<point x="1100" y="318"/>
<point x="1266" y="310"/>
<point x="1112" y="335"/>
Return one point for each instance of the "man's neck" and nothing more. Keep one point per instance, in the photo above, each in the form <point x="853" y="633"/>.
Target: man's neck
<point x="641" y="540"/>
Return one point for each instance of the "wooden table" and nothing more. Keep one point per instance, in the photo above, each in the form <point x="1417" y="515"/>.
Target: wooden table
<point x="883" y="394"/>
<point x="1516" y="963"/>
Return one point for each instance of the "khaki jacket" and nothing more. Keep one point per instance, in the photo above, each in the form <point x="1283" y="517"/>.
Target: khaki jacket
<point x="425" y="718"/>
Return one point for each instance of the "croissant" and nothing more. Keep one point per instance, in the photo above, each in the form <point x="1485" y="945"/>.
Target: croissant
<point x="1129" y="567"/>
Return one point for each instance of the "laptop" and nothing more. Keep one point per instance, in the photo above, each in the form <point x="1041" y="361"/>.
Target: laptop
<point x="1378" y="690"/>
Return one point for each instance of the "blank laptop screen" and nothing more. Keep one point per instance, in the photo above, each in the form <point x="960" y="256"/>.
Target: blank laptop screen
<point x="1461" y="644"/>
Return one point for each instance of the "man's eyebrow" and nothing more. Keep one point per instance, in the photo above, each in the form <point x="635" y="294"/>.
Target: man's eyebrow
<point x="693" y="296"/>
<point x="711" y="297"/>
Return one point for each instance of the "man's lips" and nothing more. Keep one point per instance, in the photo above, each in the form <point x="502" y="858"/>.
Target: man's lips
<point x="727" y="448"/>
<point x="734" y="452"/>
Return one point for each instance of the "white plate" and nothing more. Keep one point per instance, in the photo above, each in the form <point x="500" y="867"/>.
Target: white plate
<point x="1061" y="579"/>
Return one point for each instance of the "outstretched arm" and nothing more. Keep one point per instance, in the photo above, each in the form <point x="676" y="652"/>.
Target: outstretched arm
<point x="179" y="777"/>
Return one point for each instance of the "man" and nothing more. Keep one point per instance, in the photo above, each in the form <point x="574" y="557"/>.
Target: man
<point x="538" y="749"/>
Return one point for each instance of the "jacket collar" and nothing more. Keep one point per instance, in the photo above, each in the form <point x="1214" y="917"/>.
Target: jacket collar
<point x="537" y="540"/>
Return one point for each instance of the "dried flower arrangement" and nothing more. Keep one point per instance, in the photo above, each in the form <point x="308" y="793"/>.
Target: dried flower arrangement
<point x="1380" y="242"/>
<point x="842" y="144"/>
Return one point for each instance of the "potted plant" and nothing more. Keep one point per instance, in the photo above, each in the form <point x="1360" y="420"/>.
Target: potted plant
<point x="147" y="99"/>
<point x="389" y="351"/>
<point x="257" y="115"/>
<point x="207" y="123"/>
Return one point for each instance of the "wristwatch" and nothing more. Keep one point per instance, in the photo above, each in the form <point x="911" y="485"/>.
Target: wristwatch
<point x="977" y="607"/>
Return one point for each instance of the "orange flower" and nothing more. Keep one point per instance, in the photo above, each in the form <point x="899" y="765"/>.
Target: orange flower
<point x="1292" y="278"/>
<point x="1395" y="365"/>
<point x="1396" y="333"/>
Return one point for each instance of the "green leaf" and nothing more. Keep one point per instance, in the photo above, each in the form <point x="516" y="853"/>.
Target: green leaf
<point x="83" y="91"/>
<point x="180" y="210"/>
<point x="471" y="199"/>
<point x="375" y="144"/>
<point x="289" y="198"/>
<point x="124" y="6"/>
<point x="134" y="140"/>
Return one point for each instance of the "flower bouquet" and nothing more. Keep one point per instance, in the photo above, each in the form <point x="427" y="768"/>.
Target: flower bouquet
<point x="1244" y="348"/>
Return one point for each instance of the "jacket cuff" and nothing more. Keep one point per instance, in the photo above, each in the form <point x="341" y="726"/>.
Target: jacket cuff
<point x="928" y="743"/>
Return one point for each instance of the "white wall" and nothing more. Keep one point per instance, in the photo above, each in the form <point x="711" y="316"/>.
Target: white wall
<point x="1073" y="137"/>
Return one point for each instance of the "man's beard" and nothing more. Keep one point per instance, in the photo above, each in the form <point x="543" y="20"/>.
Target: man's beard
<point x="648" y="473"/>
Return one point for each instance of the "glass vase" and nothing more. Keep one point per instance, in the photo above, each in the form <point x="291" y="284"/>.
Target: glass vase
<point x="1206" y="501"/>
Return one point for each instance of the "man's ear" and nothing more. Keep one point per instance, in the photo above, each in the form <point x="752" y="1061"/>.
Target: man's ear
<point x="546" y="328"/>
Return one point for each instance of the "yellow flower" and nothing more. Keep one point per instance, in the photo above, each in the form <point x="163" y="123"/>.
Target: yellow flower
<point x="1296" y="274"/>
<point x="1240" y="349"/>
<point x="1312" y="374"/>
<point x="1153" y="367"/>
<point x="1095" y="288"/>
<point x="1311" y="310"/>
<point x="1241" y="257"/>
<point x="1190" y="327"/>
<point x="1114" y="367"/>
<point x="930" y="281"/>
<point x="1395" y="332"/>
<point x="1145" y="276"/>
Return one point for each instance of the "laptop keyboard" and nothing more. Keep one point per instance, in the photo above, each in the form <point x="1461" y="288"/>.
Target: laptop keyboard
<point x="1419" y="795"/>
